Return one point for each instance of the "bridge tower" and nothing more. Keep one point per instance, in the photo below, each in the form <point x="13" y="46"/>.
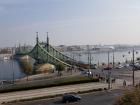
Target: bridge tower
<point x="47" y="44"/>
<point x="47" y="39"/>
<point x="37" y="43"/>
<point x="37" y="40"/>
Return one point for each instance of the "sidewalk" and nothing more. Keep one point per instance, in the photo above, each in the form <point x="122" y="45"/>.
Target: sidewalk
<point x="119" y="83"/>
<point x="48" y="92"/>
<point x="54" y="91"/>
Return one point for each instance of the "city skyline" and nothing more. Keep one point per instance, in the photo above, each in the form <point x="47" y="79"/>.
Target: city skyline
<point x="70" y="22"/>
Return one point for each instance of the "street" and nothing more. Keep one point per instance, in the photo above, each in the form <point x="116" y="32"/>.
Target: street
<point x="107" y="97"/>
<point x="51" y="91"/>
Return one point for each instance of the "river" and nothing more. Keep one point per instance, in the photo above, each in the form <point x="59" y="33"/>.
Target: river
<point x="102" y="57"/>
<point x="10" y="69"/>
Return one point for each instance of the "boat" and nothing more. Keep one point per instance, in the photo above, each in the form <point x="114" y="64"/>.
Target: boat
<point x="6" y="58"/>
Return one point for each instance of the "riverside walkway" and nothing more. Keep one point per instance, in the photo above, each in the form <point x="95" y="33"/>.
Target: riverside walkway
<point x="54" y="91"/>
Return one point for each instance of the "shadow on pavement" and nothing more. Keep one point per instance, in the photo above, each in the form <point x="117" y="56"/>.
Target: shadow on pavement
<point x="58" y="102"/>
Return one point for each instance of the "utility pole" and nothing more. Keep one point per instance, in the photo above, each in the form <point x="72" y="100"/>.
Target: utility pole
<point x="109" y="84"/>
<point x="133" y="76"/>
<point x="113" y="60"/>
<point x="89" y="58"/>
<point x="13" y="75"/>
<point x="79" y="61"/>
<point x="73" y="60"/>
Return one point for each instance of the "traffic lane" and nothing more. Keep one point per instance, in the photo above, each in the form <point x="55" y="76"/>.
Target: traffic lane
<point x="98" y="98"/>
<point x="114" y="72"/>
<point x="122" y="73"/>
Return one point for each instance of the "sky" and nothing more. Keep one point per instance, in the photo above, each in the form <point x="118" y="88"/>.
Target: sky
<point x="70" y="22"/>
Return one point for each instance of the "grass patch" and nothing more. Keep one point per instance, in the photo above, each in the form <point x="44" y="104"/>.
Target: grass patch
<point x="47" y="83"/>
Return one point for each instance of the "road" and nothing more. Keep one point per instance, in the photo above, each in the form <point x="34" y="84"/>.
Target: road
<point x="98" y="98"/>
<point x="51" y="91"/>
<point x="123" y="73"/>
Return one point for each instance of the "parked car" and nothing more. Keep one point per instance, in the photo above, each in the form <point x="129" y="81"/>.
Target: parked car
<point x="126" y="65"/>
<point x="70" y="98"/>
<point x="119" y="67"/>
<point x="87" y="73"/>
<point x="137" y="67"/>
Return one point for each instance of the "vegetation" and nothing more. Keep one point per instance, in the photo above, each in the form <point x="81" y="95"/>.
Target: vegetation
<point x="129" y="98"/>
<point x="60" y="67"/>
<point x="48" y="83"/>
<point x="26" y="66"/>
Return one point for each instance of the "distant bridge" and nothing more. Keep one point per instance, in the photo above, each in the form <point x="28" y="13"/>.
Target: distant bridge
<point x="45" y="53"/>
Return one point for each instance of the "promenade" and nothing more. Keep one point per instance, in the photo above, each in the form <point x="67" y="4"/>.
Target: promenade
<point x="54" y="91"/>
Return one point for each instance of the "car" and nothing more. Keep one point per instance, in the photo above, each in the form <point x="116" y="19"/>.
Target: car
<point x="126" y="65"/>
<point x="137" y="67"/>
<point x="86" y="73"/>
<point x="119" y="67"/>
<point x="68" y="97"/>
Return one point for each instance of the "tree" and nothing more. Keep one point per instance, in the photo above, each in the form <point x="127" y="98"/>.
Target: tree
<point x="60" y="67"/>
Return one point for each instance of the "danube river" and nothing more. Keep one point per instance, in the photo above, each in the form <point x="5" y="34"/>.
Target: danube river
<point x="11" y="68"/>
<point x="102" y="57"/>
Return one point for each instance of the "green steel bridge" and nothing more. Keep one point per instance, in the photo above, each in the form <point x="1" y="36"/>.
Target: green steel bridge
<point x="45" y="53"/>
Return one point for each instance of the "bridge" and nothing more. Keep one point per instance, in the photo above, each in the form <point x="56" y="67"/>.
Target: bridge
<point x="45" y="53"/>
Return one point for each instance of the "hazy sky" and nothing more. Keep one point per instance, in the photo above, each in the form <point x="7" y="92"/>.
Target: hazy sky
<point x="70" y="22"/>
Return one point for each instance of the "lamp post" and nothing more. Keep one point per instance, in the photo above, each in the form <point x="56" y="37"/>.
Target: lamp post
<point x="89" y="58"/>
<point x="72" y="61"/>
<point x="13" y="74"/>
<point x="109" y="73"/>
<point x="133" y="63"/>
<point x="79" y="60"/>
<point x="73" y="57"/>
<point x="133" y="76"/>
<point x="113" y="59"/>
<point x="79" y="56"/>
<point x="110" y="66"/>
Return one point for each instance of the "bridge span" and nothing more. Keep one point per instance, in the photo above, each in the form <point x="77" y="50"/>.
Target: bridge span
<point x="45" y="53"/>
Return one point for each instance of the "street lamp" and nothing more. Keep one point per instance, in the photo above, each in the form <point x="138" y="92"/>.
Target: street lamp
<point x="89" y="58"/>
<point x="133" y="62"/>
<point x="109" y="73"/>
<point x="113" y="59"/>
<point x="13" y="74"/>
<point x="79" y="60"/>
<point x="109" y="68"/>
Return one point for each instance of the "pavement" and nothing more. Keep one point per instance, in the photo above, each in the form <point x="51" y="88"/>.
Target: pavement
<point x="54" y="91"/>
<point x="107" y="97"/>
<point x="46" y="92"/>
